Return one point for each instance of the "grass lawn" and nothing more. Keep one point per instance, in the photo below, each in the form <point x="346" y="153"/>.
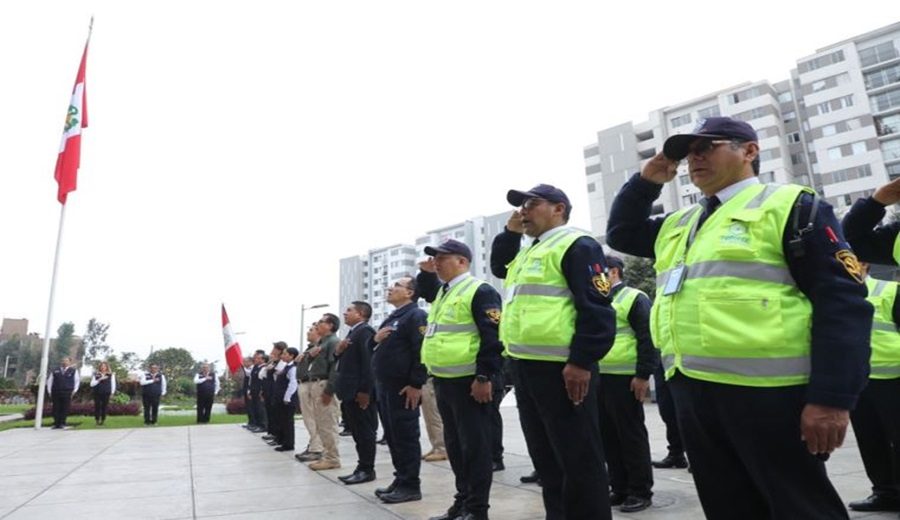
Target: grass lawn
<point x="83" y="422"/>
<point x="8" y="409"/>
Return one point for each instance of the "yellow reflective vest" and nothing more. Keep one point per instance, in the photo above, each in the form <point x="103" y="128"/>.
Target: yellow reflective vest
<point x="451" y="343"/>
<point x="539" y="313"/>
<point x="738" y="317"/>
<point x="885" y="359"/>
<point x="622" y="357"/>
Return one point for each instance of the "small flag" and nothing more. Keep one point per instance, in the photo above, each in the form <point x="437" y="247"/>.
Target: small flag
<point x="70" y="148"/>
<point x="232" y="350"/>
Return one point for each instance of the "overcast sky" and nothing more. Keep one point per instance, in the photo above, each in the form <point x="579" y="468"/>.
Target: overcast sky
<point x="237" y="151"/>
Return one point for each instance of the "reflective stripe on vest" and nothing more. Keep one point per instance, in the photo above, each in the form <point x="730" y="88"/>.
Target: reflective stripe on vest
<point x="451" y="343"/>
<point x="539" y="314"/>
<point x="622" y="356"/>
<point x="738" y="317"/>
<point x="885" y="341"/>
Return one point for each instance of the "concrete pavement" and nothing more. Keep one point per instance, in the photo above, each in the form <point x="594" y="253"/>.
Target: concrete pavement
<point x="223" y="471"/>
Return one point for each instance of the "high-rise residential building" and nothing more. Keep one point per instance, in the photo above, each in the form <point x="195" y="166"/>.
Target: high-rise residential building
<point x="834" y="126"/>
<point x="367" y="277"/>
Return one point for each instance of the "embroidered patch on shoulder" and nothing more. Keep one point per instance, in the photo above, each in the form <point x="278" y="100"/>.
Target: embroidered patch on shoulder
<point x="851" y="264"/>
<point x="601" y="283"/>
<point x="493" y="315"/>
<point x="422" y="329"/>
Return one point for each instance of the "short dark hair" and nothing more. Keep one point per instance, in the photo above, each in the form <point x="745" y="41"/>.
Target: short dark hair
<point x="615" y="262"/>
<point x="261" y="352"/>
<point x="293" y="352"/>
<point x="265" y="358"/>
<point x="279" y="346"/>
<point x="332" y="320"/>
<point x="363" y="308"/>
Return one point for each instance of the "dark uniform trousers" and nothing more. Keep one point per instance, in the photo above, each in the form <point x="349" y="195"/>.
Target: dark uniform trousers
<point x="204" y="407"/>
<point x="363" y="425"/>
<point x="401" y="430"/>
<point x="876" y="424"/>
<point x="257" y="411"/>
<point x="151" y="407"/>
<point x="62" y="400"/>
<point x="467" y="436"/>
<point x="625" y="440"/>
<point x="749" y="461"/>
<point x="286" y="423"/>
<point x="498" y="393"/>
<point x="667" y="412"/>
<point x="563" y="442"/>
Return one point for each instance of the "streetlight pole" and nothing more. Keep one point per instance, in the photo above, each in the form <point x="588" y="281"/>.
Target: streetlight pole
<point x="303" y="309"/>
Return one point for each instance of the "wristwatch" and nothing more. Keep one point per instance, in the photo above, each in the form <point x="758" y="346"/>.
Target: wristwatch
<point x="482" y="379"/>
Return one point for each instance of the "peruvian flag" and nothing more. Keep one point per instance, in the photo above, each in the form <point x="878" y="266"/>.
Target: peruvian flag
<point x="70" y="148"/>
<point x="232" y="350"/>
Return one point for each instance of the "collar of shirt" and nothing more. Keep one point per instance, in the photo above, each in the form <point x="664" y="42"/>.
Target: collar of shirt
<point x="730" y="191"/>
<point x="550" y="232"/>
<point x="354" y="327"/>
<point x="400" y="311"/>
<point x="457" y="279"/>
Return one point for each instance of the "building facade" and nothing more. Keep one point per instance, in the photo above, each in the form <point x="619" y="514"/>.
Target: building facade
<point x="834" y="126"/>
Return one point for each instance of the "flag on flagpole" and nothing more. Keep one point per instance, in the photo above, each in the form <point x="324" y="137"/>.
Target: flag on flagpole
<point x="70" y="148"/>
<point x="233" y="354"/>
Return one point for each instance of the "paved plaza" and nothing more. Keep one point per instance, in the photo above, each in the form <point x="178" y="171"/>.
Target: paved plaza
<point x="223" y="471"/>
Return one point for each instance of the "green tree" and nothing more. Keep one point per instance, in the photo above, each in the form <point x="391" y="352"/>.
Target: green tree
<point x="639" y="273"/>
<point x="63" y="346"/>
<point x="95" y="347"/>
<point x="174" y="362"/>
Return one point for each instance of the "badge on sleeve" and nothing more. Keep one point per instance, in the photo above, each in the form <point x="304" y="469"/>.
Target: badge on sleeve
<point x="851" y="264"/>
<point x="423" y="329"/>
<point x="493" y="315"/>
<point x="601" y="283"/>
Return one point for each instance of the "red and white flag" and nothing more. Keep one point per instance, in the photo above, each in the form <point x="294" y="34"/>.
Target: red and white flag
<point x="70" y="148"/>
<point x="232" y="350"/>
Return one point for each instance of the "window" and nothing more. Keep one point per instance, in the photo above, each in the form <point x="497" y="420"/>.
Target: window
<point x="891" y="150"/>
<point x="818" y="85"/>
<point x="821" y="61"/>
<point x="877" y="54"/>
<point x="858" y="148"/>
<point x="893" y="170"/>
<point x="845" y="102"/>
<point x="687" y="200"/>
<point x="592" y="169"/>
<point x="681" y="120"/>
<point x="591" y="187"/>
<point x="785" y="97"/>
<point x="886" y="101"/>
<point x="592" y="151"/>
<point x="684" y="180"/>
<point x="829" y="130"/>
<point x="796" y="158"/>
<point x="712" y="111"/>
<point x="883" y="77"/>
<point x="789" y="116"/>
<point x="767" y="177"/>
<point x="793" y="137"/>
<point x="766" y="155"/>
<point x="744" y="95"/>
<point x="888" y="125"/>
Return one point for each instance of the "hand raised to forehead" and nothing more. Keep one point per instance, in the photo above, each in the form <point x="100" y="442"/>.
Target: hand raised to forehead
<point x="660" y="169"/>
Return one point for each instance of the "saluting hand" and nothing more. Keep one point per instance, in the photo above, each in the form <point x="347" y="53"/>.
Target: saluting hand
<point x="413" y="396"/>
<point x="514" y="223"/>
<point x="889" y="193"/>
<point x="823" y="428"/>
<point x="428" y="265"/>
<point x="660" y="169"/>
<point x="577" y="381"/>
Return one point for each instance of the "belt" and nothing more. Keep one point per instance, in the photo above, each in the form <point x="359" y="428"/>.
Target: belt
<point x="312" y="379"/>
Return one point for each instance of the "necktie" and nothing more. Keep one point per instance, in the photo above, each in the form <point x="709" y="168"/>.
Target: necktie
<point x="444" y="289"/>
<point x="709" y="206"/>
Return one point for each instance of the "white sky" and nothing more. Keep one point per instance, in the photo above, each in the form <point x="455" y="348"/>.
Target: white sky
<point x="236" y="151"/>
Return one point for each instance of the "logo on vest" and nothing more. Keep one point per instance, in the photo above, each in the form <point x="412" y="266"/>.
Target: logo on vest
<point x="536" y="266"/>
<point x="737" y="234"/>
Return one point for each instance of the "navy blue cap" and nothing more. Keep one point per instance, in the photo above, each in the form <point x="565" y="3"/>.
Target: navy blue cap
<point x="450" y="247"/>
<point x="676" y="147"/>
<point x="541" y="191"/>
<point x="615" y="261"/>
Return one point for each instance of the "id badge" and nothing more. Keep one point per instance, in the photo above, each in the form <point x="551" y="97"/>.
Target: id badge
<point x="429" y="331"/>
<point x="674" y="281"/>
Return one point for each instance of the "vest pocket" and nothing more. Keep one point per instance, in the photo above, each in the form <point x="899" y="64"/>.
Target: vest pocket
<point x="740" y="325"/>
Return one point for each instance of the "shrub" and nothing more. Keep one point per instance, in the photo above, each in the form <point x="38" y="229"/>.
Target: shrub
<point x="235" y="407"/>
<point x="119" y="398"/>
<point x="88" y="409"/>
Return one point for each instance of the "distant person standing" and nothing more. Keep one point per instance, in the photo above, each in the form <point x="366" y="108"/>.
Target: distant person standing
<point x="103" y="385"/>
<point x="62" y="385"/>
<point x="207" y="388"/>
<point x="153" y="386"/>
<point x="286" y="393"/>
<point x="267" y="377"/>
<point x="256" y="409"/>
<point x="247" y="371"/>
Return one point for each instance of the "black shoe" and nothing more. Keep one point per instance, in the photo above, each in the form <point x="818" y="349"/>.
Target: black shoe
<point x="267" y="437"/>
<point x="456" y="512"/>
<point x="399" y="495"/>
<point x="670" y="462"/>
<point x="386" y="490"/>
<point x="533" y="478"/>
<point x="617" y="499"/>
<point x="308" y="456"/>
<point x="358" y="477"/>
<point x="273" y="442"/>
<point x="876" y="502"/>
<point x="498" y="465"/>
<point x="381" y="441"/>
<point x="634" y="504"/>
<point x="345" y="433"/>
<point x="283" y="448"/>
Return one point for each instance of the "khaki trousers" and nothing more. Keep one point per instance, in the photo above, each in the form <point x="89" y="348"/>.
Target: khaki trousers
<point x="326" y="422"/>
<point x="308" y="409"/>
<point x="433" y="423"/>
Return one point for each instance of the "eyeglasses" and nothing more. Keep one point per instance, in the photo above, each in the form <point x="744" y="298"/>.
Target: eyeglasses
<point x="532" y="203"/>
<point x="704" y="146"/>
<point x="400" y="285"/>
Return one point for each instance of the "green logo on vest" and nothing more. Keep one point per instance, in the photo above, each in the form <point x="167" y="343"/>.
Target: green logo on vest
<point x="736" y="234"/>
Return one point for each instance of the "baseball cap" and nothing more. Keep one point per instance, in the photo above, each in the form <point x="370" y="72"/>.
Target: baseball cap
<point x="541" y="191"/>
<point x="615" y="261"/>
<point x="450" y="247"/>
<point x="676" y="147"/>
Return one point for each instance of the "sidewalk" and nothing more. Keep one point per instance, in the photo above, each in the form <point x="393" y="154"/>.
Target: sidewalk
<point x="226" y="472"/>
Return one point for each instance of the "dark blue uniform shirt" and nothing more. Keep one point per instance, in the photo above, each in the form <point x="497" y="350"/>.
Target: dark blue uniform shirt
<point x="397" y="361"/>
<point x="841" y="317"/>
<point x="871" y="242"/>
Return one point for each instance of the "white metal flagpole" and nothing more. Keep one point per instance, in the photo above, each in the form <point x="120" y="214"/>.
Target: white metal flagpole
<point x="45" y="351"/>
